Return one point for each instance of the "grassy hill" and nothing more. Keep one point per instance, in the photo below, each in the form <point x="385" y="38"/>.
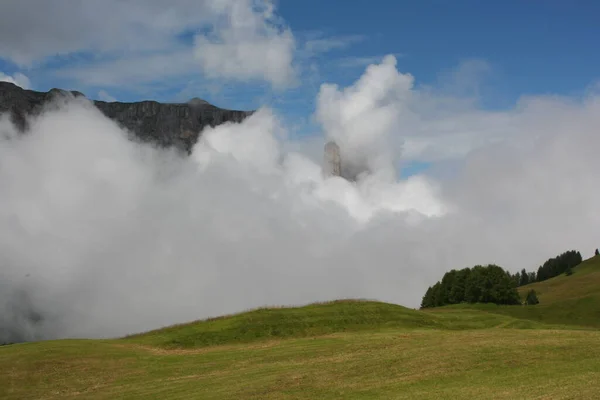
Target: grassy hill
<point x="316" y="320"/>
<point x="275" y="323"/>
<point x="585" y="282"/>
<point x="343" y="349"/>
<point x="564" y="300"/>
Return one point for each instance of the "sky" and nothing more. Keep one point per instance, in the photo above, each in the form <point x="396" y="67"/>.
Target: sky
<point x="494" y="53"/>
<point x="523" y="48"/>
<point x="474" y="126"/>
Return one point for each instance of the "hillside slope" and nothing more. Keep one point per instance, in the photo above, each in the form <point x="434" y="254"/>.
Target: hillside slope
<point x="564" y="300"/>
<point x="342" y="349"/>
<point x="585" y="282"/>
<point x="315" y="320"/>
<point x="393" y="364"/>
<point x="275" y="323"/>
<point x="338" y="350"/>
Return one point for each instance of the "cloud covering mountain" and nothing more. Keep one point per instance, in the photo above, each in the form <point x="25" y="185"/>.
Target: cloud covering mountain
<point x="100" y="236"/>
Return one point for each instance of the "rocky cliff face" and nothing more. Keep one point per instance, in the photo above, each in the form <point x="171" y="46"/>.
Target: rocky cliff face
<point x="165" y="124"/>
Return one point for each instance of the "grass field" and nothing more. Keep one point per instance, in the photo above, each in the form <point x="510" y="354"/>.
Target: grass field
<point x="338" y="350"/>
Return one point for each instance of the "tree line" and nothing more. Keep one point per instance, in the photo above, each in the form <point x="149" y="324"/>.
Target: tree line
<point x="493" y="284"/>
<point x="561" y="264"/>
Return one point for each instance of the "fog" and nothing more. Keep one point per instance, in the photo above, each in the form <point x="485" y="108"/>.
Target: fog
<point x="101" y="236"/>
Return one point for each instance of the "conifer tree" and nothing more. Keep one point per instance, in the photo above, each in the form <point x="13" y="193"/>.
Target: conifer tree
<point x="531" y="298"/>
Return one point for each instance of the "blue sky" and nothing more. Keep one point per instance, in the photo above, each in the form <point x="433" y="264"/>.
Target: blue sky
<point x="532" y="47"/>
<point x="495" y="52"/>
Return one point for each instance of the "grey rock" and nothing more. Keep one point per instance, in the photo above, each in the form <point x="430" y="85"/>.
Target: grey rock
<point x="165" y="124"/>
<point x="334" y="164"/>
<point x="332" y="161"/>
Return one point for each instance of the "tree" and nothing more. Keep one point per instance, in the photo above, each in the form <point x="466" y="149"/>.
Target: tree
<point x="457" y="291"/>
<point x="516" y="279"/>
<point x="446" y="287"/>
<point x="597" y="252"/>
<point x="524" y="278"/>
<point x="489" y="284"/>
<point x="558" y="265"/>
<point x="531" y="298"/>
<point x="427" y="298"/>
<point x="473" y="287"/>
<point x="437" y="295"/>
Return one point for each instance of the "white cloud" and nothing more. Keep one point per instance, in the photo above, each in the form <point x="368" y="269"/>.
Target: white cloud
<point x="321" y="44"/>
<point x="364" y="118"/>
<point x="253" y="143"/>
<point x="362" y="61"/>
<point x="245" y="39"/>
<point x="466" y="79"/>
<point x="94" y="205"/>
<point x="18" y="79"/>
<point x="104" y="96"/>
<point x="383" y="110"/>
<point x="108" y="237"/>
<point x="248" y="45"/>
<point x="28" y="36"/>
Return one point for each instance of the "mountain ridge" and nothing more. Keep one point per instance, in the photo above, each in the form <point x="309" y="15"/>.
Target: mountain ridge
<point x="165" y="124"/>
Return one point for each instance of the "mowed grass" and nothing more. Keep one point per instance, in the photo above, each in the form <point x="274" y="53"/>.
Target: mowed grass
<point x="394" y="364"/>
<point x="338" y="350"/>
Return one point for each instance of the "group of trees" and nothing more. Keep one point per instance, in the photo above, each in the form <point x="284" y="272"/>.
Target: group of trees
<point x="492" y="284"/>
<point x="561" y="264"/>
<point x="480" y="284"/>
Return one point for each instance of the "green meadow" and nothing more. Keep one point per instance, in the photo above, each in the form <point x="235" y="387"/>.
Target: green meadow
<point x="348" y="349"/>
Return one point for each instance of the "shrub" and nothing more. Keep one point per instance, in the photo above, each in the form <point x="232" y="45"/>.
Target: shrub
<point x="531" y="298"/>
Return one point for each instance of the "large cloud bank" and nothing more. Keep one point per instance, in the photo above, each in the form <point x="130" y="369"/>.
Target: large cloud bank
<point x="138" y="40"/>
<point x="100" y="236"/>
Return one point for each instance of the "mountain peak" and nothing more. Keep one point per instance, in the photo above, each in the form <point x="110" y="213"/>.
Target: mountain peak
<point x="196" y="101"/>
<point x="165" y="124"/>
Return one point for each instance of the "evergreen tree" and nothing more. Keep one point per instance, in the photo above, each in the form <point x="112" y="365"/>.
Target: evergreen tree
<point x="597" y="253"/>
<point x="559" y="264"/>
<point x="531" y="298"/>
<point x="516" y="279"/>
<point x="437" y="295"/>
<point x="447" y="286"/>
<point x="427" y="298"/>
<point x="524" y="278"/>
